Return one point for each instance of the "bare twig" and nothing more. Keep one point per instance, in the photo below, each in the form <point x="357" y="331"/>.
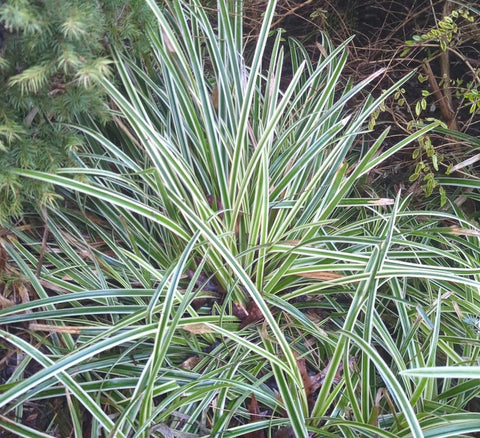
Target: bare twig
<point x="444" y="102"/>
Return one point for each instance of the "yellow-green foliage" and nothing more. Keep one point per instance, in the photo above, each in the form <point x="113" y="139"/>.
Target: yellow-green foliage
<point x="52" y="54"/>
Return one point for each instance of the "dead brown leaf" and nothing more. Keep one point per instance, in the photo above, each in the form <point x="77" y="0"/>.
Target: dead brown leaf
<point x="310" y="382"/>
<point x="382" y="201"/>
<point x="320" y="275"/>
<point x="254" y="411"/>
<point x="284" y="432"/>
<point x="5" y="302"/>
<point x="464" y="232"/>
<point x="73" y="330"/>
<point x="190" y="363"/>
<point x="376" y="407"/>
<point x="253" y="314"/>
<point x="238" y="310"/>
<point x="215" y="97"/>
<point x="24" y="294"/>
<point x="197" y="329"/>
<point x="3" y="258"/>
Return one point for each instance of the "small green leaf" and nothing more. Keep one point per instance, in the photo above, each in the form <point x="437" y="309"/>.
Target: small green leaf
<point x="422" y="78"/>
<point x="413" y="177"/>
<point x="443" y="196"/>
<point x="429" y="177"/>
<point x="418" y="108"/>
<point x="429" y="188"/>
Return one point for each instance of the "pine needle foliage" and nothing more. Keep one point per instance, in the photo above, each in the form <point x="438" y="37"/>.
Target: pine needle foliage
<point x="52" y="56"/>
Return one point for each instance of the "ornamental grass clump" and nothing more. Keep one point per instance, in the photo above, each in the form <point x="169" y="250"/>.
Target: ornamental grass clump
<point x="218" y="270"/>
